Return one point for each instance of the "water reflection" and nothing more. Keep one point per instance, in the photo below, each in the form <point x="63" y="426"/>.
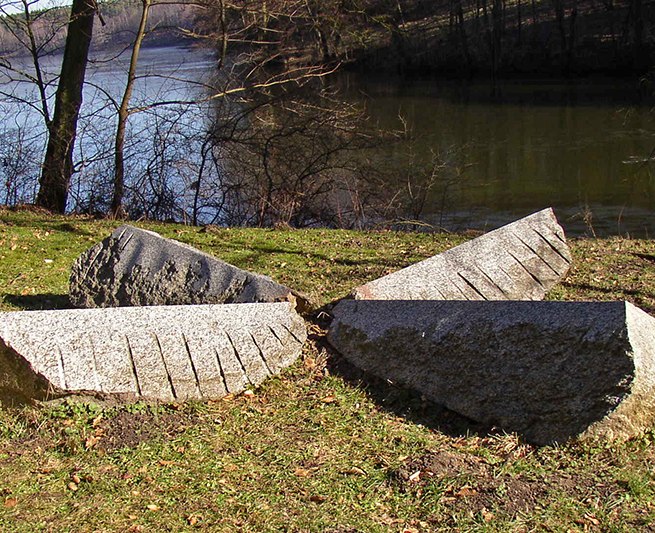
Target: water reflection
<point x="584" y="148"/>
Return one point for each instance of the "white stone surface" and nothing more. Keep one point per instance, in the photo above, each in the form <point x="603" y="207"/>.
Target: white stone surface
<point x="520" y="261"/>
<point x="167" y="353"/>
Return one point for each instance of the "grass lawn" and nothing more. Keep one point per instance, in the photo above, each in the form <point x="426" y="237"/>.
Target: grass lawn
<point x="321" y="447"/>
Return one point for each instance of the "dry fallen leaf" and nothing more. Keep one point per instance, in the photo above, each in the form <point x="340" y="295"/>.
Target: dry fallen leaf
<point x="592" y="519"/>
<point x="487" y="515"/>
<point x="465" y="491"/>
<point x="317" y="498"/>
<point x="152" y="507"/>
<point x="75" y="479"/>
<point x="415" y="476"/>
<point x="329" y="399"/>
<point x="193" y="520"/>
<point x="302" y="472"/>
<point x="91" y="442"/>
<point x="72" y="486"/>
<point x="355" y="471"/>
<point x="11" y="502"/>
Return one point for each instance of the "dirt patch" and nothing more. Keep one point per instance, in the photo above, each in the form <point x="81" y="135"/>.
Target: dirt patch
<point x="483" y="486"/>
<point x="471" y="483"/>
<point x="441" y="464"/>
<point x="128" y="430"/>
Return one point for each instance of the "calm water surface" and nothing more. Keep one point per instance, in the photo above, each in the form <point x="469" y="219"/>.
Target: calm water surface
<point x="585" y="148"/>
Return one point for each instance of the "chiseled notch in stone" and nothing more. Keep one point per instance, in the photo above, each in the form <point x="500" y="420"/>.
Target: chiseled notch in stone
<point x="550" y="371"/>
<point x="520" y="261"/>
<point x="167" y="353"/>
<point x="135" y="267"/>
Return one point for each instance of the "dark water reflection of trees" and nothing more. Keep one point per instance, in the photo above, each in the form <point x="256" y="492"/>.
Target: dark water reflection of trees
<point x="583" y="147"/>
<point x="468" y="157"/>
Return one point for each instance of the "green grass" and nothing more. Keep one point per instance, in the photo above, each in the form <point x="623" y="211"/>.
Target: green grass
<point x="320" y="448"/>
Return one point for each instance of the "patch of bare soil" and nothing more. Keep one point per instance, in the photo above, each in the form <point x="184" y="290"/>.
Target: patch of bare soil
<point x="473" y="485"/>
<point x="128" y="430"/>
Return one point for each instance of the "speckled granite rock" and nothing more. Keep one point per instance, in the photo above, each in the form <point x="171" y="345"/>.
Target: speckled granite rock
<point x="138" y="267"/>
<point x="167" y="353"/>
<point x="520" y="261"/>
<point x="547" y="370"/>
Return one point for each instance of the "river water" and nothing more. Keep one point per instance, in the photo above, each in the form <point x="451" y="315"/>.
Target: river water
<point x="584" y="148"/>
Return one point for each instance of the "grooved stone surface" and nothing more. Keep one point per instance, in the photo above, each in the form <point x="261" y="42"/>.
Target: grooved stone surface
<point x="169" y="353"/>
<point x="547" y="370"/>
<point x="138" y="267"/>
<point x="520" y="261"/>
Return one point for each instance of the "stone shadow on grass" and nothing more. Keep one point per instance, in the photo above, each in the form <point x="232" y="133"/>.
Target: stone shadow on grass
<point x="406" y="403"/>
<point x="39" y="302"/>
<point x="402" y="402"/>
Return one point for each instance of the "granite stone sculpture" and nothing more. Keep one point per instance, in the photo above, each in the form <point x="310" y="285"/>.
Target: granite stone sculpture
<point x="547" y="370"/>
<point x="165" y="353"/>
<point x="135" y="267"/>
<point x="520" y="261"/>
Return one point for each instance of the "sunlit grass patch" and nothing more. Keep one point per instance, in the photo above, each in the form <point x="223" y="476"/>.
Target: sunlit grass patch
<point x="321" y="447"/>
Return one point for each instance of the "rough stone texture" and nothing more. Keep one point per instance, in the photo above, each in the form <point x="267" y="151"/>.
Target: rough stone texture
<point x="170" y="353"/>
<point x="547" y="370"/>
<point x="138" y="267"/>
<point x="520" y="261"/>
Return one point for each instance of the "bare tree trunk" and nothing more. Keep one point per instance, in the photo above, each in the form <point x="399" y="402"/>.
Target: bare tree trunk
<point x="518" y="21"/>
<point x="34" y="54"/>
<point x="462" y="36"/>
<point x="223" y="38"/>
<point x="204" y="154"/>
<point x="638" y="34"/>
<point x="58" y="163"/>
<point x="116" y="209"/>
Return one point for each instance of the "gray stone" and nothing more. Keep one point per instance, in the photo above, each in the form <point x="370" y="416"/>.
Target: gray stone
<point x="520" y="261"/>
<point x="138" y="267"/>
<point x="167" y="353"/>
<point x="547" y="370"/>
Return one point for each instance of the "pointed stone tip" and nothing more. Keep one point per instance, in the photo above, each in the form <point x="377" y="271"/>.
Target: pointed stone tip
<point x="522" y="260"/>
<point x="363" y="293"/>
<point x="632" y="309"/>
